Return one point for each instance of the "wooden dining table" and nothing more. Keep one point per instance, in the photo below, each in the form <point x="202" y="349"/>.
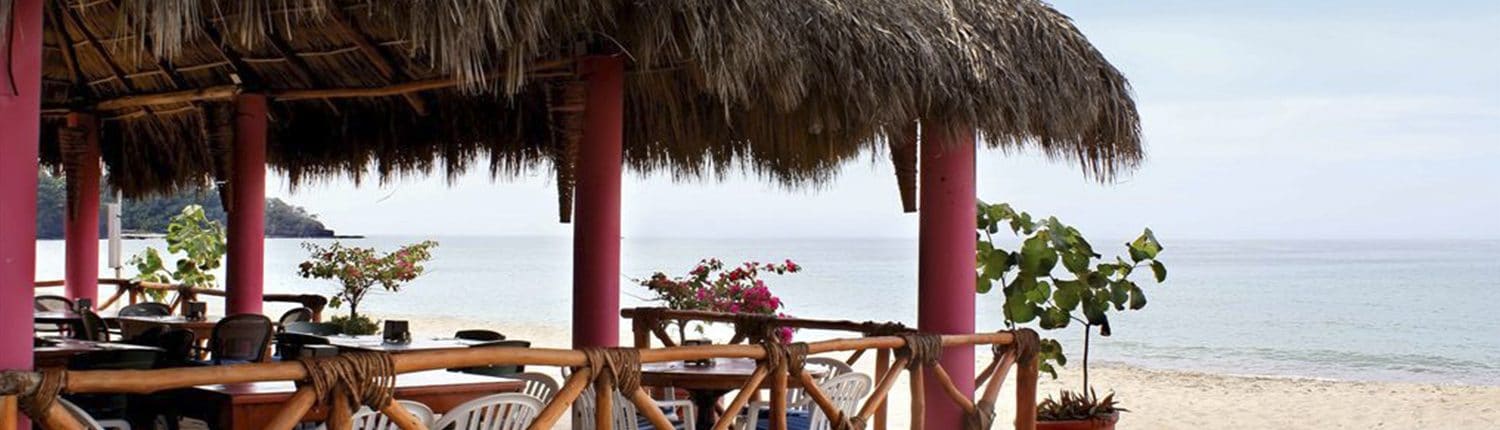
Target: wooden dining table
<point x="706" y="384"/>
<point x="251" y="405"/>
<point x="202" y="329"/>
<point x="52" y="353"/>
<point x="376" y="343"/>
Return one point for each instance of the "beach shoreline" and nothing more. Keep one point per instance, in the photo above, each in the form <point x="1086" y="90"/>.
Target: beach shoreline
<point x="1177" y="399"/>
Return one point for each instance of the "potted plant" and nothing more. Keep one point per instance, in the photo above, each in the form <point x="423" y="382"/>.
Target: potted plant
<point x="709" y="287"/>
<point x="1055" y="279"/>
<point x="359" y="270"/>
<point x="201" y="242"/>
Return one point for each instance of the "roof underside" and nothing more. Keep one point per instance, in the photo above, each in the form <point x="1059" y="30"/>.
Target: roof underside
<point x="785" y="89"/>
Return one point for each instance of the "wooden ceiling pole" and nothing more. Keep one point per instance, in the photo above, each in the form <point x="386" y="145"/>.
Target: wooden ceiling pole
<point x="70" y="55"/>
<point x="114" y="68"/>
<point x="149" y="46"/>
<point x="299" y="67"/>
<point x="244" y="75"/>
<point x="388" y="70"/>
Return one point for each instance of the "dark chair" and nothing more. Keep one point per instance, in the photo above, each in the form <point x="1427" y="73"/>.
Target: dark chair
<point x="51" y="304"/>
<point x="113" y="406"/>
<point x="497" y="370"/>
<point x="147" y="309"/>
<point x="312" y="328"/>
<point x="241" y="338"/>
<point x="289" y="344"/>
<point x="484" y="335"/>
<point x="93" y="327"/>
<point x="295" y="316"/>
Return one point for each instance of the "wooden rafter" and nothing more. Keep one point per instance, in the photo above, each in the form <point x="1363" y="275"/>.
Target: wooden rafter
<point x="299" y="66"/>
<point x="246" y="76"/>
<point x="388" y="70"/>
<point x="70" y="56"/>
<point x="149" y="47"/>
<point x="88" y="35"/>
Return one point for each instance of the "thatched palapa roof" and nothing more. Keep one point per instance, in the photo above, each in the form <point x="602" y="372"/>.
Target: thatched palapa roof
<point x="787" y="89"/>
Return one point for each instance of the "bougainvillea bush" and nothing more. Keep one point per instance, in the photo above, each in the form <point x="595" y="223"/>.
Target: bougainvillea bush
<point x="710" y="286"/>
<point x="360" y="270"/>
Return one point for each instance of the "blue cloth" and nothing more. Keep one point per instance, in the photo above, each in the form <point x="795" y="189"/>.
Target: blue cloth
<point x="795" y="420"/>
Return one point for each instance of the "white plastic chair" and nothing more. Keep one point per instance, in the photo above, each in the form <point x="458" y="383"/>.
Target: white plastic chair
<point x="538" y="385"/>
<point x="626" y="416"/>
<point x="370" y="419"/>
<point x="88" y="421"/>
<point x="507" y="411"/>
<point x="844" y="390"/>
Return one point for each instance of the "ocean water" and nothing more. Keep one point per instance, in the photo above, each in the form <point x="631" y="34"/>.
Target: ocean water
<point x="1421" y="311"/>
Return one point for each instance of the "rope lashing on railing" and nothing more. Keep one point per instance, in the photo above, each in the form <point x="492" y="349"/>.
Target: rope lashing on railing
<point x="791" y="355"/>
<point x="982" y="418"/>
<point x="621" y="364"/>
<point x="35" y="402"/>
<point x="1027" y="345"/>
<point x="755" y="328"/>
<point x="367" y="378"/>
<point x="922" y="349"/>
<point x="878" y="329"/>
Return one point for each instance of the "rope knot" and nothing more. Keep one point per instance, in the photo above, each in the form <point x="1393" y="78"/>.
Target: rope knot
<point x="921" y="349"/>
<point x="755" y="328"/>
<point x="1027" y="345"/>
<point x="622" y="365"/>
<point x="845" y="422"/>
<point x="365" y="377"/>
<point x="45" y="387"/>
<point x="791" y="355"/>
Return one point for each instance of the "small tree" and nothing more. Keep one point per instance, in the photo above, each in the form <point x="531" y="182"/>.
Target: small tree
<point x="710" y="287"/>
<point x="1084" y="289"/>
<point x="359" y="270"/>
<point x="199" y="239"/>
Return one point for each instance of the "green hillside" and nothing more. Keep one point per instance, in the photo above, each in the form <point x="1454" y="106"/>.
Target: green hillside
<point x="150" y="215"/>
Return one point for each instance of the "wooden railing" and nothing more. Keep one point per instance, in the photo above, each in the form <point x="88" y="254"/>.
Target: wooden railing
<point x="134" y="291"/>
<point x="648" y="323"/>
<point x="334" y="381"/>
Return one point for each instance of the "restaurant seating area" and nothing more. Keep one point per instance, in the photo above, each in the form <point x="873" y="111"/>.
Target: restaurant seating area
<point x="824" y="392"/>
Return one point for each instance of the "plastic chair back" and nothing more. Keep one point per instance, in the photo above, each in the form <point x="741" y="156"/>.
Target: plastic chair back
<point x="508" y="411"/>
<point x="240" y="338"/>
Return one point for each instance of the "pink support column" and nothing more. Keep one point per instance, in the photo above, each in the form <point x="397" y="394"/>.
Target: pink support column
<point x="20" y="130"/>
<point x="81" y="231"/>
<point x="596" y="223"/>
<point x="247" y="208"/>
<point x="945" y="302"/>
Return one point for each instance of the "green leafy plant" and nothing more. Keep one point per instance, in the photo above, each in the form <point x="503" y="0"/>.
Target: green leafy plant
<point x="1072" y="405"/>
<point x="359" y="271"/>
<point x="201" y="242"/>
<point x="1055" y="278"/>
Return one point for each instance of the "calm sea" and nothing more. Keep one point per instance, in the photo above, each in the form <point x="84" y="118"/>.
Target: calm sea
<point x="1360" y="310"/>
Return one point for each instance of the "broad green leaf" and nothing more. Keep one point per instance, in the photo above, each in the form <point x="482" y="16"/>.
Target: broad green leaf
<point x="1065" y="296"/>
<point x="983" y="285"/>
<point x="1160" y="270"/>
<point x="1137" y="298"/>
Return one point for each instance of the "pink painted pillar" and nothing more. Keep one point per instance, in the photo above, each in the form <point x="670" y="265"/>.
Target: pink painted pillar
<point x="81" y="231"/>
<point x="247" y="215"/>
<point x="945" y="301"/>
<point x="20" y="130"/>
<point x="596" y="225"/>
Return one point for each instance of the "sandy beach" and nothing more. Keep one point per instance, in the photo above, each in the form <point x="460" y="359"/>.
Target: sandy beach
<point x="1160" y="399"/>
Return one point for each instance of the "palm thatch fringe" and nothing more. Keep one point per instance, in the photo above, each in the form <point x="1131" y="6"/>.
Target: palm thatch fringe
<point x="904" y="158"/>
<point x="787" y="90"/>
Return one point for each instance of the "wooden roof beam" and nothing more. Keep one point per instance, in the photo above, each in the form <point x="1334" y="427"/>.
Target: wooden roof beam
<point x="88" y="35"/>
<point x="388" y="70"/>
<point x="70" y="56"/>
<point x="242" y="72"/>
<point x="299" y="67"/>
<point x="149" y="46"/>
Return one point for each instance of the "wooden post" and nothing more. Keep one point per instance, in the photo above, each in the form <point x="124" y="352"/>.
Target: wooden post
<point x="247" y="208"/>
<point x="882" y="367"/>
<point x="946" y="258"/>
<point x="778" y="398"/>
<point x="1026" y="378"/>
<point x="21" y="121"/>
<point x="81" y="214"/>
<point x="596" y="227"/>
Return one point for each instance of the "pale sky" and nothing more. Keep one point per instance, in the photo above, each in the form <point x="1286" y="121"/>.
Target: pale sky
<point x="1263" y="120"/>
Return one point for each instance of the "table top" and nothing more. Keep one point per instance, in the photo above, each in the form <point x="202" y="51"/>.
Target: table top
<point x="57" y="316"/>
<point x="173" y="320"/>
<point x="725" y="374"/>
<point x="376" y="343"/>
<point x="56" y="352"/>
<point x="256" y="392"/>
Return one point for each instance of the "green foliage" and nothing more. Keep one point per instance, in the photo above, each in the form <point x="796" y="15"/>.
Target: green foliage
<point x="359" y="270"/>
<point x="1056" y="278"/>
<point x="198" y="239"/>
<point x="356" y="325"/>
<point x="1071" y="405"/>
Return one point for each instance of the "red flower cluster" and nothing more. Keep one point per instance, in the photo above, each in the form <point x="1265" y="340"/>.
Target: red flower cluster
<point x="709" y="287"/>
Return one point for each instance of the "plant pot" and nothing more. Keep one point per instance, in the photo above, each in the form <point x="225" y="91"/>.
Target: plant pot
<point x="1105" y="422"/>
